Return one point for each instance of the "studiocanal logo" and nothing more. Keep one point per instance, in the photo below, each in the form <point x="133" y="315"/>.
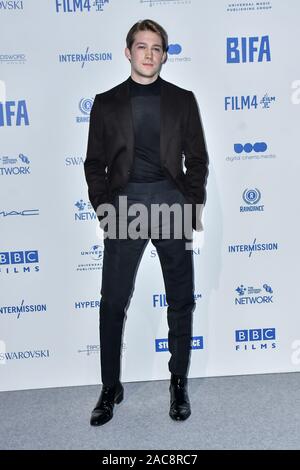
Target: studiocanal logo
<point x="95" y="257"/>
<point x="253" y="248"/>
<point x="248" y="102"/>
<point x="14" y="113"/>
<point x="16" y="311"/>
<point x="250" y="151"/>
<point x="254" y="295"/>
<point x="160" y="300"/>
<point x="174" y="54"/>
<point x="13" y="59"/>
<point x="162" y="344"/>
<point x="16" y="262"/>
<point x="14" y="166"/>
<point x="85" y="106"/>
<point x="80" y="6"/>
<point x="255" y="339"/>
<point x="247" y="7"/>
<point x="82" y="58"/>
<point x="11" y="5"/>
<point x="85" y="211"/>
<point x="252" y="197"/>
<point x="248" y="49"/>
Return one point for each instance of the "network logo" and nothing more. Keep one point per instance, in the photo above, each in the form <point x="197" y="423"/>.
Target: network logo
<point x="255" y="339"/>
<point x="11" y="5"/>
<point x="14" y="166"/>
<point x="82" y="58"/>
<point x="13" y="59"/>
<point x="21" y="355"/>
<point x="160" y="300"/>
<point x="12" y="261"/>
<point x="23" y="213"/>
<point x="252" y="197"/>
<point x="95" y="257"/>
<point x="13" y="113"/>
<point x="79" y="6"/>
<point x="248" y="49"/>
<point x="254" y="295"/>
<point x="84" y="211"/>
<point x="23" y="308"/>
<point x="85" y="106"/>
<point x="162" y="344"/>
<point x="253" y="248"/>
<point x="247" y="102"/>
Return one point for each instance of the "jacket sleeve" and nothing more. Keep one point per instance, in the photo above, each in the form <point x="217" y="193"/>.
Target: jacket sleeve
<point x="95" y="162"/>
<point x="196" y="157"/>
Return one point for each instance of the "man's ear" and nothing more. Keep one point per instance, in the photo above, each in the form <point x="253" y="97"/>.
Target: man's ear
<point x="164" y="58"/>
<point x="127" y="54"/>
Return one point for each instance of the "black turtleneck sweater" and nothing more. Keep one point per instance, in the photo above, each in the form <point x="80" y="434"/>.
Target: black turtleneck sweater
<point x="145" y="105"/>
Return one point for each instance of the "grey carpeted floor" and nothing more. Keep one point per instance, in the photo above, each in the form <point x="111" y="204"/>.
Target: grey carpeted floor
<point x="241" y="412"/>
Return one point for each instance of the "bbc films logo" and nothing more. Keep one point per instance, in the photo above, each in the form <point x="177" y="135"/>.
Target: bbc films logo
<point x="252" y="197"/>
<point x="85" y="106"/>
<point x="248" y="49"/>
<point x="254" y="247"/>
<point x="11" y="166"/>
<point x="16" y="262"/>
<point x="247" y="7"/>
<point x="251" y="295"/>
<point x="162" y="344"/>
<point x="80" y="6"/>
<point x="259" y="339"/>
<point x="250" y="151"/>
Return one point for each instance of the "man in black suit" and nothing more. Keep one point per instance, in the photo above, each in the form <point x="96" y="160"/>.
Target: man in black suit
<point x="141" y="132"/>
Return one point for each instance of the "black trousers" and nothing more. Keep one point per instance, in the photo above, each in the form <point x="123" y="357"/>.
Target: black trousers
<point x="120" y="264"/>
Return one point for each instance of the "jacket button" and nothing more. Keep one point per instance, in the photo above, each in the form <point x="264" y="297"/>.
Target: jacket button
<point x="128" y="172"/>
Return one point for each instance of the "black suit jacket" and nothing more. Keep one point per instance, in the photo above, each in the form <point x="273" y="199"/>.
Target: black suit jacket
<point x="110" y="150"/>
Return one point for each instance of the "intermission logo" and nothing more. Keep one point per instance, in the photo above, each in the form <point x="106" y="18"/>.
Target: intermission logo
<point x="84" y="211"/>
<point x="74" y="161"/>
<point x="19" y="355"/>
<point x="95" y="257"/>
<point x="162" y="344"/>
<point x="17" y="310"/>
<point x="160" y="300"/>
<point x="246" y="7"/>
<point x="11" y="5"/>
<point x="155" y="3"/>
<point x="252" y="198"/>
<point x="174" y="54"/>
<point x="253" y="248"/>
<point x="85" y="106"/>
<point x="14" y="166"/>
<point x="254" y="295"/>
<point x="82" y="58"/>
<point x="87" y="304"/>
<point x="13" y="59"/>
<point x="13" y="113"/>
<point x="15" y="262"/>
<point x="255" y="339"/>
<point x="248" y="49"/>
<point x="23" y="213"/>
<point x="250" y="151"/>
<point x="248" y="102"/>
<point x="79" y="6"/>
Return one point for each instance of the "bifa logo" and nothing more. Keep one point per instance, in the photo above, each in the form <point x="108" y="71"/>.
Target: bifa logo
<point x="12" y="261"/>
<point x="13" y="113"/>
<point x="84" y="211"/>
<point x="162" y="345"/>
<point x="11" y="5"/>
<point x="259" y="339"/>
<point x="248" y="49"/>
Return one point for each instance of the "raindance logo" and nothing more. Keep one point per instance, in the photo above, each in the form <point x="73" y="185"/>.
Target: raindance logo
<point x="254" y="247"/>
<point x="252" y="198"/>
<point x="85" y="57"/>
<point x="14" y="166"/>
<point x="254" y="295"/>
<point x="259" y="339"/>
<point x="95" y="254"/>
<point x="247" y="102"/>
<point x="85" y="106"/>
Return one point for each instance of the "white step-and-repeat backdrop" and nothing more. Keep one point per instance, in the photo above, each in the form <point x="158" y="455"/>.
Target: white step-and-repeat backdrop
<point x="241" y="59"/>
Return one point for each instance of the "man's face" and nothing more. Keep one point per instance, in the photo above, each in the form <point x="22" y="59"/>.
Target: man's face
<point x="146" y="56"/>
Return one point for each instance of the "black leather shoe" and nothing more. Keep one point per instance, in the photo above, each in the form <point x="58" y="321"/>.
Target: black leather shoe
<point x="180" y="408"/>
<point x="103" y="411"/>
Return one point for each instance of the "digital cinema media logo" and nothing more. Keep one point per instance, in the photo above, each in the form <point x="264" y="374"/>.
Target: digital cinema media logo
<point x="259" y="339"/>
